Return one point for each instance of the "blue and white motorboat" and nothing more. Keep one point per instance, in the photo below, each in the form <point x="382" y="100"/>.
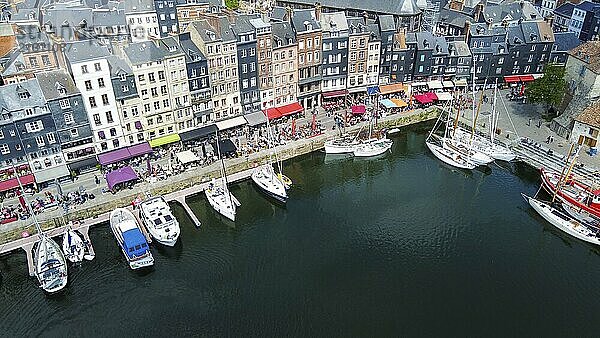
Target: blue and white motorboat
<point x="130" y="238"/>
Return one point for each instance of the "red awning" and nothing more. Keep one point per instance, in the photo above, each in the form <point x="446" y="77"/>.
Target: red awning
<point x="272" y="113"/>
<point x="360" y="109"/>
<point x="335" y="93"/>
<point x="423" y="98"/>
<point x="526" y="78"/>
<point x="512" y="79"/>
<point x="431" y="95"/>
<point x="13" y="183"/>
<point x="290" y="109"/>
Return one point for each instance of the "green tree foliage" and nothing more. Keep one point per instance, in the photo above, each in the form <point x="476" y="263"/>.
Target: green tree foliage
<point x="232" y="4"/>
<point x="548" y="89"/>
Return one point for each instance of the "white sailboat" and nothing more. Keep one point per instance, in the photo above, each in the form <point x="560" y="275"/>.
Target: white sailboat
<point x="50" y="265"/>
<point x="272" y="184"/>
<point x="372" y="146"/>
<point x="439" y="147"/>
<point x="342" y="145"/>
<point x="564" y="221"/>
<point x="162" y="225"/>
<point x="490" y="147"/>
<point x="218" y="195"/>
<point x="73" y="246"/>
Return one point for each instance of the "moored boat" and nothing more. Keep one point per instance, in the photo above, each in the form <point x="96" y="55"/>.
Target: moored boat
<point x="131" y="240"/>
<point x="50" y="265"/>
<point x="340" y="146"/>
<point x="158" y="219"/>
<point x="73" y="246"/>
<point x="572" y="191"/>
<point x="221" y="199"/>
<point x="373" y="147"/>
<point x="449" y="156"/>
<point x="563" y="221"/>
<point x="269" y="183"/>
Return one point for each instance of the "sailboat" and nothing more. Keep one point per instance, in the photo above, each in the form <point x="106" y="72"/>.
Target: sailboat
<point x="341" y="145"/>
<point x="73" y="246"/>
<point x="481" y="144"/>
<point x="50" y="265"/>
<point x="272" y="184"/>
<point x="563" y="216"/>
<point x="218" y="195"/>
<point x="372" y="146"/>
<point x="438" y="146"/>
<point x="573" y="191"/>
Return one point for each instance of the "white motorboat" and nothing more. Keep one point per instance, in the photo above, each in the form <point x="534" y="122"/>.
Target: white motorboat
<point x="50" y="265"/>
<point x="393" y="131"/>
<point x="340" y="146"/>
<point x="221" y="199"/>
<point x="131" y="240"/>
<point x="158" y="219"/>
<point x="73" y="246"/>
<point x="269" y="182"/>
<point x="373" y="147"/>
<point x="564" y="221"/>
<point x="449" y="156"/>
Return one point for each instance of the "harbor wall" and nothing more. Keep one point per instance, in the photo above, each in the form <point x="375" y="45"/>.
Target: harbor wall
<point x="199" y="175"/>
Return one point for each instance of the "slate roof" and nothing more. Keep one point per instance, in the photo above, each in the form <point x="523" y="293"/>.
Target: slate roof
<point x="357" y="26"/>
<point x="302" y="16"/>
<point x="9" y="95"/>
<point x="331" y="22"/>
<point x="513" y="11"/>
<point x="395" y="7"/>
<point x="459" y="48"/>
<point x="565" y="9"/>
<point x="454" y="18"/>
<point x="204" y="29"/>
<point x="374" y="34"/>
<point x="51" y="81"/>
<point x="143" y="52"/>
<point x="190" y="49"/>
<point x="13" y="59"/>
<point x="282" y="31"/>
<point x="386" y="23"/>
<point x="565" y="41"/>
<point x="425" y="40"/>
<point x="65" y="19"/>
<point x="85" y="50"/>
<point x="109" y="18"/>
<point x="138" y="6"/>
<point x="32" y="39"/>
<point x="278" y="13"/>
<point x="118" y="66"/>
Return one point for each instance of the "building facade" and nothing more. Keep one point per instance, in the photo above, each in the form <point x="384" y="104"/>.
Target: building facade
<point x="335" y="55"/>
<point x="285" y="64"/>
<point x="307" y="27"/>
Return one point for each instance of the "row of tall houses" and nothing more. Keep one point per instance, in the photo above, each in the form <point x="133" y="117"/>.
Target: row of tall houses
<point x="73" y="90"/>
<point x="582" y="18"/>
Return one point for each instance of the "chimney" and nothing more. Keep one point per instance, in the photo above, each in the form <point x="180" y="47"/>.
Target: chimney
<point x="365" y="16"/>
<point x="550" y="20"/>
<point x="467" y="31"/>
<point x="318" y="11"/>
<point x="289" y="13"/>
<point x="457" y="5"/>
<point x="478" y="10"/>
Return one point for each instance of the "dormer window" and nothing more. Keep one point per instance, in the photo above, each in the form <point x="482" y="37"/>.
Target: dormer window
<point x="65" y="23"/>
<point x="172" y="48"/>
<point x="123" y="77"/>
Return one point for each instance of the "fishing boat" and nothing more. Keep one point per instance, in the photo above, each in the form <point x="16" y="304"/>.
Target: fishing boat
<point x="157" y="217"/>
<point x="572" y="191"/>
<point x="73" y="246"/>
<point x="563" y="221"/>
<point x="50" y="265"/>
<point x="131" y="240"/>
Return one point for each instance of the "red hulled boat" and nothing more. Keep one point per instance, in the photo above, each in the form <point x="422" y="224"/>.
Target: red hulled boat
<point x="574" y="192"/>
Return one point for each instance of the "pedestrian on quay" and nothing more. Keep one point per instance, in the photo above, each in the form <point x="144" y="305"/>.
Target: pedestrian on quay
<point x="548" y="139"/>
<point x="96" y="179"/>
<point x="529" y="122"/>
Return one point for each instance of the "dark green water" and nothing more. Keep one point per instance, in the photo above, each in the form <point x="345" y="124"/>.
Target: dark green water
<point x="402" y="245"/>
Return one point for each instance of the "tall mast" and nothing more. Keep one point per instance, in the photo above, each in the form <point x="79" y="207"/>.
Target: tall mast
<point x="457" y="115"/>
<point x="494" y="114"/>
<point x="223" y="171"/>
<point x="563" y="176"/>
<point x="27" y="205"/>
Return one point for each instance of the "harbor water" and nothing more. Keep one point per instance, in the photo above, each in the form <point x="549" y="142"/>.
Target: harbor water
<point x="401" y="245"/>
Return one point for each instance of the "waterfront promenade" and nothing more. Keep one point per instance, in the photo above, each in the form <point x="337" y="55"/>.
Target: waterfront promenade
<point x="103" y="203"/>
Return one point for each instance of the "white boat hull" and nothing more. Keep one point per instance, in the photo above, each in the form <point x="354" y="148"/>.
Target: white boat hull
<point x="493" y="150"/>
<point x="221" y="203"/>
<point x="373" y="148"/>
<point x="465" y="150"/>
<point x="267" y="181"/>
<point x="562" y="221"/>
<point x="51" y="265"/>
<point x="153" y="210"/>
<point x="73" y="246"/>
<point x="332" y="148"/>
<point x="120" y="215"/>
<point x="450" y="157"/>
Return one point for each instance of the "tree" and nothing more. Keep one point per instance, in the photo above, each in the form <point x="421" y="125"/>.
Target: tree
<point x="232" y="4"/>
<point x="548" y="89"/>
